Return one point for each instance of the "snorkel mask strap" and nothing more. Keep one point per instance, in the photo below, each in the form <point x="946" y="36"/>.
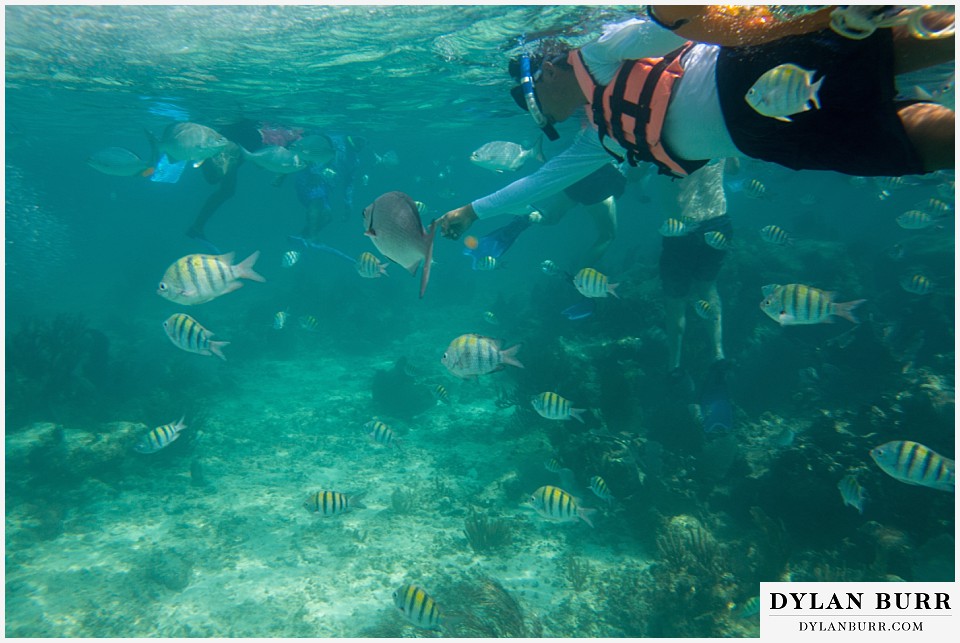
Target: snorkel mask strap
<point x="530" y="97"/>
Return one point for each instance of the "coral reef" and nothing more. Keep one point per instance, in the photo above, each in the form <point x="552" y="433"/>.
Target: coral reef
<point x="577" y="571"/>
<point x="487" y="610"/>
<point x="486" y="535"/>
<point x="55" y="454"/>
<point x="56" y="369"/>
<point x="691" y="585"/>
<point x="402" y="501"/>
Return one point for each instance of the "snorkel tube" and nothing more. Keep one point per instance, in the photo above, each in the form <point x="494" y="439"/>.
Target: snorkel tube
<point x="533" y="106"/>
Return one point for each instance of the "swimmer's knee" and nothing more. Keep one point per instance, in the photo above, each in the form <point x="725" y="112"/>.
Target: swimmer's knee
<point x="931" y="130"/>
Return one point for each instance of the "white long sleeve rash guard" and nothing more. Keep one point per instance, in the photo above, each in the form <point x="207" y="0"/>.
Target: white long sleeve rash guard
<point x="693" y="128"/>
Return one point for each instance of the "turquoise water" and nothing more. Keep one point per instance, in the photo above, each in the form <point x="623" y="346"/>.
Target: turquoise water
<point x="209" y="537"/>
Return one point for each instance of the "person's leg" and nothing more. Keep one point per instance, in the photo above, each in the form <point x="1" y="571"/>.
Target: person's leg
<point x="604" y="215"/>
<point x="708" y="290"/>
<point x="675" y="323"/>
<point x="931" y="130"/>
<point x="226" y="188"/>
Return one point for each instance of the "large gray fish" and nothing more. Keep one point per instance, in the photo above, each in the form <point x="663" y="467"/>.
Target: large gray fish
<point x="274" y="158"/>
<point x="119" y="161"/>
<point x="393" y="224"/>
<point x="191" y="142"/>
<point x="504" y="155"/>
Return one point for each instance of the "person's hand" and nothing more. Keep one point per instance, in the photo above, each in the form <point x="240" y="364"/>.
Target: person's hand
<point x="455" y="222"/>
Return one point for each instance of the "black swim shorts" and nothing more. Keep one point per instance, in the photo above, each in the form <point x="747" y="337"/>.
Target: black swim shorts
<point x="689" y="258"/>
<point x="856" y="131"/>
<point x="606" y="182"/>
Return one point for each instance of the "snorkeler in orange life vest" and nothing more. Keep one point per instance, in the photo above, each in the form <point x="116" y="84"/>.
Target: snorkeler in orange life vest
<point x="706" y="117"/>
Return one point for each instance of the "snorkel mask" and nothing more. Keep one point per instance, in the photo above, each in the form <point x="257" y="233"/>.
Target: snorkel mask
<point x="533" y="106"/>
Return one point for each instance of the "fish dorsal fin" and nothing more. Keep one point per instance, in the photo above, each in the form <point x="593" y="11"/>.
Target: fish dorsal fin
<point x="227" y="258"/>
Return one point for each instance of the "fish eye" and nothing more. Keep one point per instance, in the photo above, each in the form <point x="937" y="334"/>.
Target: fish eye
<point x="162" y="286"/>
<point x="444" y="356"/>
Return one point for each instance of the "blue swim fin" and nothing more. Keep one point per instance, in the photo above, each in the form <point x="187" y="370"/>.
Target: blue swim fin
<point x="499" y="241"/>
<point x="579" y="310"/>
<point x="715" y="407"/>
<point x="167" y="172"/>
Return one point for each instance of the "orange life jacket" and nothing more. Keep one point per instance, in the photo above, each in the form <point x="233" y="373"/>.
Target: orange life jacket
<point x="636" y="101"/>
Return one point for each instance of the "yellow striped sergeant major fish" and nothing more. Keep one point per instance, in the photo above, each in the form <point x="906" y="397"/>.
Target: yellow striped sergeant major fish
<point x="776" y="235"/>
<point x="418" y="607"/>
<point x="471" y="355"/>
<point x="673" y="228"/>
<point x="913" y="463"/>
<point x="381" y="433"/>
<point x="716" y="240"/>
<point x="917" y="284"/>
<point x="591" y="283"/>
<point x="916" y="220"/>
<point x="188" y="334"/>
<point x="369" y="267"/>
<point x="556" y="504"/>
<point x="704" y="309"/>
<point x="332" y="503"/>
<point x="599" y="487"/>
<point x="196" y="279"/>
<point x="160" y="437"/>
<point x="783" y="91"/>
<point x="795" y="304"/>
<point x="554" y="407"/>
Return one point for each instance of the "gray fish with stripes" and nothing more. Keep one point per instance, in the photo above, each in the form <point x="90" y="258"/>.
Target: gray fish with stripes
<point x="188" y="334"/>
<point x="160" y="437"/>
<point x="418" y="607"/>
<point x="196" y="279"/>
<point x="332" y="503"/>
<point x="555" y="407"/>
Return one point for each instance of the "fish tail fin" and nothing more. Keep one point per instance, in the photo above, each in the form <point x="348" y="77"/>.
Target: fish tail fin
<point x="845" y="309"/>
<point x="215" y="349"/>
<point x="815" y="91"/>
<point x="180" y="425"/>
<point x="509" y="356"/>
<point x="356" y="500"/>
<point x="611" y="288"/>
<point x="245" y="268"/>
<point x="585" y="514"/>
<point x="383" y="269"/>
<point x="425" y="275"/>
<point x="576" y="414"/>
